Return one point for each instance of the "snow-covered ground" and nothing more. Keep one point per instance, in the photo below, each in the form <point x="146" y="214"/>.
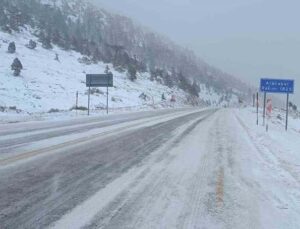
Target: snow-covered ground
<point x="275" y="167"/>
<point x="46" y="83"/>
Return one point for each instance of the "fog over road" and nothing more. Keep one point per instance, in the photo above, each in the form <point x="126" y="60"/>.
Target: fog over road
<point x="184" y="168"/>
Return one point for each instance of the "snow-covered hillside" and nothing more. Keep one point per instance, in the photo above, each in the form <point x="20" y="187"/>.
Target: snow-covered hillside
<point x="46" y="83"/>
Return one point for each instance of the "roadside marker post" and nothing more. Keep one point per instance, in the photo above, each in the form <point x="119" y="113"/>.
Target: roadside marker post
<point x="281" y="86"/>
<point x="76" y="106"/>
<point x="269" y="112"/>
<point x="76" y="100"/>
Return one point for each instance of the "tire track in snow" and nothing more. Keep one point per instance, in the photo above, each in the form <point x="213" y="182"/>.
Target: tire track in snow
<point x="217" y="196"/>
<point x="82" y="172"/>
<point x="143" y="193"/>
<point x="202" y="201"/>
<point x="88" y="137"/>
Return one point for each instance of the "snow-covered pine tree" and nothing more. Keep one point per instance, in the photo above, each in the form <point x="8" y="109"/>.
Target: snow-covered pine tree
<point x="107" y="70"/>
<point x="11" y="47"/>
<point x="132" y="72"/>
<point x="45" y="40"/>
<point x="96" y="54"/>
<point x="194" y="89"/>
<point x="14" y="17"/>
<point x="16" y="67"/>
<point x="153" y="74"/>
<point x="47" y="43"/>
<point x="3" y="17"/>
<point x="182" y="81"/>
<point x="56" y="57"/>
<point x="31" y="45"/>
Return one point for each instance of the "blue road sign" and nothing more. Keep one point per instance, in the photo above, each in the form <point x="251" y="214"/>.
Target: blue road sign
<point x="277" y="86"/>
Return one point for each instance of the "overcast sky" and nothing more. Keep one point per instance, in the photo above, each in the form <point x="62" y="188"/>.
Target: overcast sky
<point x="247" y="38"/>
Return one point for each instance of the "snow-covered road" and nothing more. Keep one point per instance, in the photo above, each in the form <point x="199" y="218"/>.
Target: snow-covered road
<point x="188" y="169"/>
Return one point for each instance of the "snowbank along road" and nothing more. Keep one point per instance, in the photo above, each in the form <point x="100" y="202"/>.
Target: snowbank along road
<point x="166" y="169"/>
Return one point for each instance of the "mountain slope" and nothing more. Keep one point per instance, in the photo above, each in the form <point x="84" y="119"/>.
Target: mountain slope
<point x="77" y="30"/>
<point x="47" y="84"/>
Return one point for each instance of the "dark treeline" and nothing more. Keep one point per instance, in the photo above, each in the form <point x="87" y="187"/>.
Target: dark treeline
<point x="78" y="25"/>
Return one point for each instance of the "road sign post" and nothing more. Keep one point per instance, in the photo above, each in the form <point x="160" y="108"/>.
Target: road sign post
<point x="257" y="106"/>
<point x="264" y="109"/>
<point x="269" y="112"/>
<point x="278" y="86"/>
<point x="89" y="99"/>
<point x="99" y="80"/>
<point x="287" y="112"/>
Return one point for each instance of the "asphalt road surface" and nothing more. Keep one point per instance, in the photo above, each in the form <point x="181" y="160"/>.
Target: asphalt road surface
<point x="47" y="169"/>
<point x="183" y="169"/>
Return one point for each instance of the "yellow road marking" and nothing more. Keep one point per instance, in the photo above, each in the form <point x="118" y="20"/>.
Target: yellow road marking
<point x="220" y="188"/>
